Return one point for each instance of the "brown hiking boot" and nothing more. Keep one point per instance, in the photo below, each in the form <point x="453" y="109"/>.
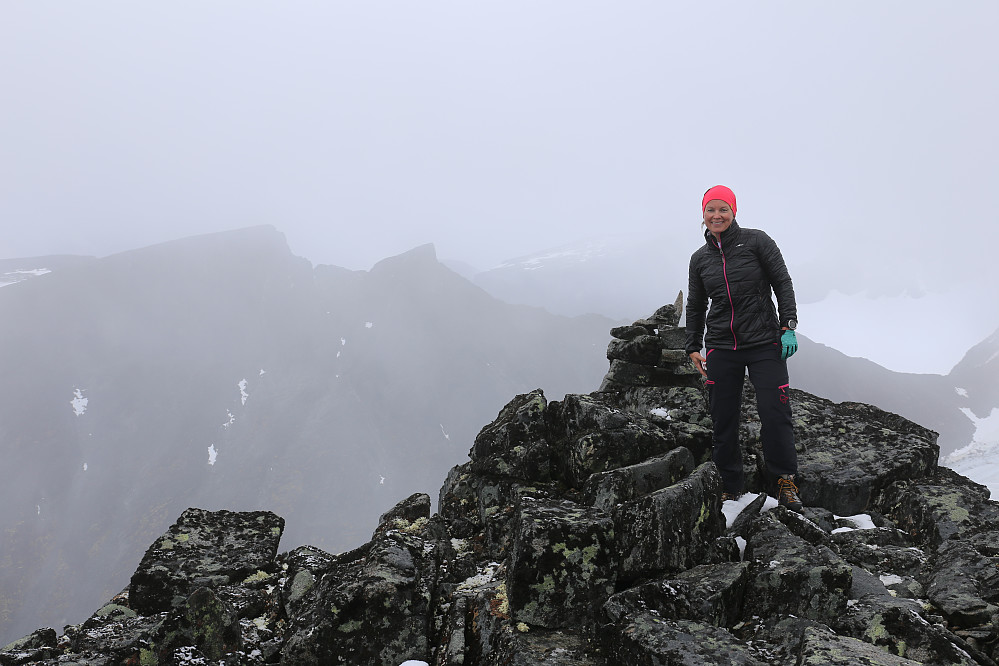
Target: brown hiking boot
<point x="787" y="493"/>
<point x="731" y="497"/>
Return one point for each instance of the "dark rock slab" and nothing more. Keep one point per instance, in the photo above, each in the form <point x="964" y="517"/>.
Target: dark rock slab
<point x="747" y="516"/>
<point x="671" y="529"/>
<point x="899" y="627"/>
<point x="630" y="332"/>
<point x="605" y="490"/>
<point x="695" y="438"/>
<point x="477" y="628"/>
<point x="669" y="315"/>
<point x="592" y="436"/>
<point x="515" y="444"/>
<point x="646" y="638"/>
<point x="963" y="584"/>
<point x="481" y="507"/>
<point x="674" y="338"/>
<point x="792" y="576"/>
<point x="802" y="526"/>
<point x="885" y="552"/>
<point x="562" y="563"/>
<point x="709" y="593"/>
<point x="683" y="410"/>
<point x="939" y="507"/>
<point x="406" y="512"/>
<point x="115" y="633"/>
<point x="497" y="640"/>
<point x="852" y="452"/>
<point x="457" y="502"/>
<point x="203" y="622"/>
<point x="304" y="567"/>
<point x="666" y="404"/>
<point x="371" y="605"/>
<point x="823" y="648"/>
<point x="641" y="349"/>
<point x="204" y="549"/>
<point x="34" y="648"/>
<point x="623" y="374"/>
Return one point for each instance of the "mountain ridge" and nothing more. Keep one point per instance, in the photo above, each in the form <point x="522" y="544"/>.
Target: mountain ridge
<point x="590" y="531"/>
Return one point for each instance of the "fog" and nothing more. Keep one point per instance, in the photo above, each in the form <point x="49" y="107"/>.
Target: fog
<point x="861" y="136"/>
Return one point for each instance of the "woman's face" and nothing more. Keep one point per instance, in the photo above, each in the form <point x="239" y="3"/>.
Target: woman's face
<point x="718" y="216"/>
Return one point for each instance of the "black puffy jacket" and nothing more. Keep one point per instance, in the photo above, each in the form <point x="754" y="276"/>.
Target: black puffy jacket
<point x="737" y="274"/>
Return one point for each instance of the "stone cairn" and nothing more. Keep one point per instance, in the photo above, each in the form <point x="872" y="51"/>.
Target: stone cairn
<point x="650" y="352"/>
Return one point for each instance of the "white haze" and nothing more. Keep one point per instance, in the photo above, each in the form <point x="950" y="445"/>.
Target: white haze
<point x="861" y="136"/>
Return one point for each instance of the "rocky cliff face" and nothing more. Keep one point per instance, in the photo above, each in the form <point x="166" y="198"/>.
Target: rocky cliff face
<point x="590" y="531"/>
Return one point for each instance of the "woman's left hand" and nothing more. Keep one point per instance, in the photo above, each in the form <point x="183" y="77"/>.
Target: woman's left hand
<point x="788" y="344"/>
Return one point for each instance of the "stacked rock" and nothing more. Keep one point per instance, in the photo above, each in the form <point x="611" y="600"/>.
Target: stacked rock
<point x="650" y="352"/>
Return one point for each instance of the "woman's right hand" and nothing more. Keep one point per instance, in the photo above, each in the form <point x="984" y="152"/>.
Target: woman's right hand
<point x="699" y="363"/>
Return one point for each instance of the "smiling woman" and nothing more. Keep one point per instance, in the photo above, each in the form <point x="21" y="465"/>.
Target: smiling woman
<point x="738" y="269"/>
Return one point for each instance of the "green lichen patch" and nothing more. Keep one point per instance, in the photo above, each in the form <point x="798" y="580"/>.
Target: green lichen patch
<point x="256" y="577"/>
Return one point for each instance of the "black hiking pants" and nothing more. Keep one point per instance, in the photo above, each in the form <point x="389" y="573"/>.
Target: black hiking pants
<point x="726" y="373"/>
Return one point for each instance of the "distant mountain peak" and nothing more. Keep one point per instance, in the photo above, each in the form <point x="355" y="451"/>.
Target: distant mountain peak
<point x="422" y="255"/>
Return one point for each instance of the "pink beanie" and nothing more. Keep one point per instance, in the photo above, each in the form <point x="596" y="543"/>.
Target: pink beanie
<point x="719" y="192"/>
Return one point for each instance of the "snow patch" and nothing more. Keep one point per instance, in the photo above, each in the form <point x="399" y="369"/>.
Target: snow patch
<point x="368" y="324"/>
<point x="84" y="467"/>
<point x="979" y="461"/>
<point x="485" y="576"/>
<point x="861" y="521"/>
<point x="732" y="508"/>
<point x="230" y="420"/>
<point x="79" y="403"/>
<point x="661" y="412"/>
<point x="961" y="392"/>
<point x="574" y="253"/>
<point x="890" y="579"/>
<point x="262" y="372"/>
<point x="13" y="277"/>
<point x="243" y="395"/>
<point x="446" y="436"/>
<point x="212" y="454"/>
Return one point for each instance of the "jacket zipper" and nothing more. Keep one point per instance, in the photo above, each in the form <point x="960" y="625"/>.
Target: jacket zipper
<point x="731" y="304"/>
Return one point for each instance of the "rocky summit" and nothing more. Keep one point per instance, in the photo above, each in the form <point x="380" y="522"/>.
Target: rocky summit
<point x="591" y="531"/>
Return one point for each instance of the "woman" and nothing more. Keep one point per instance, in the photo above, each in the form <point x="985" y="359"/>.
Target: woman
<point x="736" y="269"/>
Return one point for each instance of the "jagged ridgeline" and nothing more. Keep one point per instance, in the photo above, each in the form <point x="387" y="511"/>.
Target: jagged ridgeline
<point x="590" y="531"/>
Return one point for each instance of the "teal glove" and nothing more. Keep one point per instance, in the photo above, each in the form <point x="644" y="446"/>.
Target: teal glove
<point x="788" y="345"/>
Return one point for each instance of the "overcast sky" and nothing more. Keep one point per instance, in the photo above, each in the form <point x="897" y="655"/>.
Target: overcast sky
<point x="861" y="135"/>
